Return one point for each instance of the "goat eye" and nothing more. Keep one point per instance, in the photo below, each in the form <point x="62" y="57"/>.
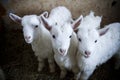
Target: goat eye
<point x="95" y="41"/>
<point x="70" y="36"/>
<point x="53" y="36"/>
<point x="56" y="23"/>
<point x="36" y="26"/>
<point x="79" y="39"/>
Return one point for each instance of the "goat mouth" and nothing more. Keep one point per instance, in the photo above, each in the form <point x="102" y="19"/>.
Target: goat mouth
<point x="28" y="42"/>
<point x="62" y="54"/>
<point x="86" y="56"/>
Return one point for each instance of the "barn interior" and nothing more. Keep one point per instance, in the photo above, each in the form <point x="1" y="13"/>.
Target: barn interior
<point x="17" y="59"/>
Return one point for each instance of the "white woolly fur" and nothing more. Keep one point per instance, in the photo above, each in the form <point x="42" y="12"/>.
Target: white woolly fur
<point x="96" y="46"/>
<point x="63" y="38"/>
<point x="38" y="36"/>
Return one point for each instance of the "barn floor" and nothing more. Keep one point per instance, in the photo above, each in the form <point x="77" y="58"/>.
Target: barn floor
<point x="19" y="63"/>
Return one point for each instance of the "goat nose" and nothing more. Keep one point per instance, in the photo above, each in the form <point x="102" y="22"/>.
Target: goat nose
<point x="87" y="53"/>
<point x="62" y="51"/>
<point x="27" y="37"/>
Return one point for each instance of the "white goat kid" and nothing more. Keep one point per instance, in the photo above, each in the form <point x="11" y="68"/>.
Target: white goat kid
<point x="97" y="45"/>
<point x="64" y="42"/>
<point x="58" y="18"/>
<point x="65" y="47"/>
<point x="38" y="36"/>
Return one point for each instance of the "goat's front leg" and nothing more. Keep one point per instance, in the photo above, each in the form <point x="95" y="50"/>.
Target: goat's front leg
<point x="63" y="72"/>
<point x="86" y="74"/>
<point x="40" y="63"/>
<point x="76" y="72"/>
<point x="117" y="63"/>
<point x="51" y="64"/>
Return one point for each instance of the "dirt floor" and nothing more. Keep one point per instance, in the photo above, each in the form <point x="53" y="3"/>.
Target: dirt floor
<point x="19" y="63"/>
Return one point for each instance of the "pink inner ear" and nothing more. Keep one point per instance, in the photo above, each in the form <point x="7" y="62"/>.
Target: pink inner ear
<point x="16" y="19"/>
<point x="45" y="23"/>
<point x="77" y="24"/>
<point x="103" y="32"/>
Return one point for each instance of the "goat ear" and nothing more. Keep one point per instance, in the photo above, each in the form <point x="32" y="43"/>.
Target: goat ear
<point x="15" y="17"/>
<point x="76" y="23"/>
<point x="45" y="14"/>
<point x="103" y="31"/>
<point x="91" y="13"/>
<point x="45" y="22"/>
